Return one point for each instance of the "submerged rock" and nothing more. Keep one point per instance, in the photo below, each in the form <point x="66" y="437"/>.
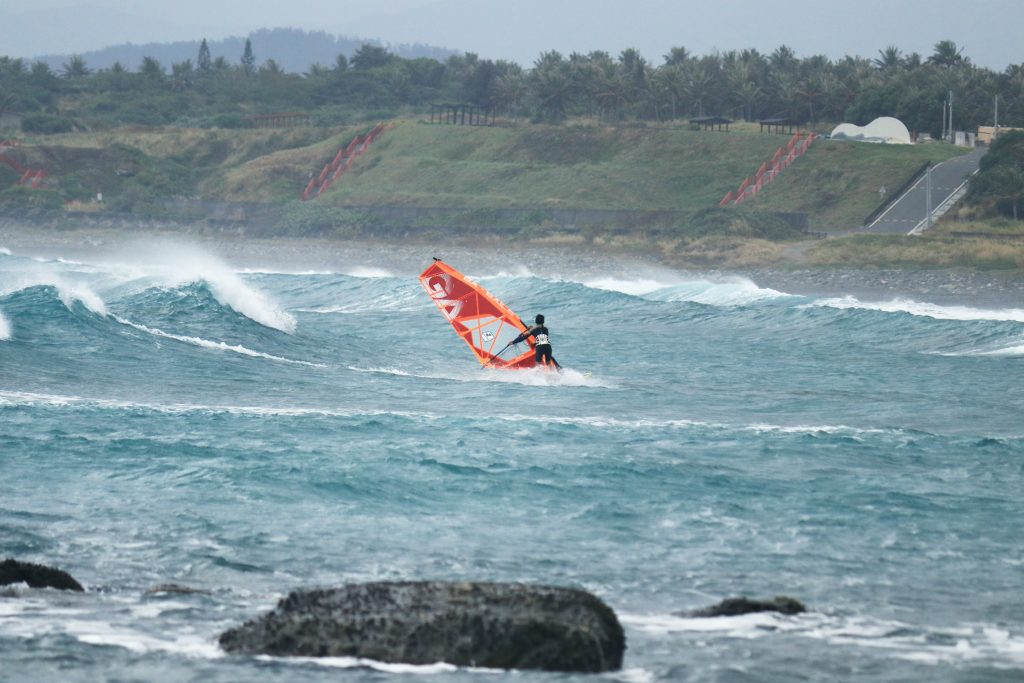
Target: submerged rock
<point x="731" y="607"/>
<point x="36" y="576"/>
<point x="492" y="625"/>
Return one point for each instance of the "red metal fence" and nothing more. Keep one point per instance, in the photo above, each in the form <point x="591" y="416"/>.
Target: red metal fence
<point x="31" y="177"/>
<point x="769" y="170"/>
<point x="341" y="163"/>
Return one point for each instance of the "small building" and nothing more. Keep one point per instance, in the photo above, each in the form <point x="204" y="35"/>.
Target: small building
<point x="281" y="120"/>
<point x="986" y="134"/>
<point x="462" y="115"/>
<point x="711" y="122"/>
<point x="780" y="125"/>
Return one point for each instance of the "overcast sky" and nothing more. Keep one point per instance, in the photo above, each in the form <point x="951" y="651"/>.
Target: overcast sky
<point x="989" y="31"/>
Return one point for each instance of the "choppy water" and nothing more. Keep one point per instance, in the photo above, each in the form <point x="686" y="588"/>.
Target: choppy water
<point x="167" y="416"/>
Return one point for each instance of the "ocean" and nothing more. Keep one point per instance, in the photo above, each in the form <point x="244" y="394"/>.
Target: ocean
<point x="252" y="421"/>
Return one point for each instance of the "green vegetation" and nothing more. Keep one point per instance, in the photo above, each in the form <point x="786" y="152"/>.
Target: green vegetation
<point x="585" y="132"/>
<point x="837" y="183"/>
<point x="372" y="83"/>
<point x="998" y="188"/>
<point x="938" y="250"/>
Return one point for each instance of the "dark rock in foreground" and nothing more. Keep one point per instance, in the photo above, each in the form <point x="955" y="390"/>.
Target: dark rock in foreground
<point x="36" y="576"/>
<point x="492" y="625"/>
<point x="732" y="607"/>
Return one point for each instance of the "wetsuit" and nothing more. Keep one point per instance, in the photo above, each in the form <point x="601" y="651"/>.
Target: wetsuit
<point x="543" y="348"/>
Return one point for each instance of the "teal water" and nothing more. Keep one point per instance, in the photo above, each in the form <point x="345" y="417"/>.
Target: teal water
<point x="168" y="416"/>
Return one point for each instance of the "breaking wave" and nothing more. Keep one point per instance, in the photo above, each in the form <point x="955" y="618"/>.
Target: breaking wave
<point x="924" y="309"/>
<point x="207" y="344"/>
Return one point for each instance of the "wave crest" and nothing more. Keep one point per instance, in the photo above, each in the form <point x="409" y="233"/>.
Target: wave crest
<point x="733" y="291"/>
<point x="924" y="309"/>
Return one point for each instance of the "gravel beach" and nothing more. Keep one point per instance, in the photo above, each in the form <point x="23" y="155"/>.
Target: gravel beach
<point x="985" y="289"/>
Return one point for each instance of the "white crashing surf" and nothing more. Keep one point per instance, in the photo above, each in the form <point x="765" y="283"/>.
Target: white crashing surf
<point x="368" y="272"/>
<point x="924" y="309"/>
<point x="1015" y="350"/>
<point x="732" y="291"/>
<point x="535" y="377"/>
<point x="176" y="264"/>
<point x="953" y="645"/>
<point x="4" y="251"/>
<point x="67" y="292"/>
<point x="207" y="344"/>
<point x="5" y="327"/>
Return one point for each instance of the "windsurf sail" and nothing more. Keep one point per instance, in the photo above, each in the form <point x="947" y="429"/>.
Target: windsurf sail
<point x="480" y="318"/>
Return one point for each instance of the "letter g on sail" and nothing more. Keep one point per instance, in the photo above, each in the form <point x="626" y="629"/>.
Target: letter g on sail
<point x="440" y="288"/>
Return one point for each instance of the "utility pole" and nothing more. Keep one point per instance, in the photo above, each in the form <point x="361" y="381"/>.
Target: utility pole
<point x="995" y="130"/>
<point x="951" y="135"/>
<point x="928" y="198"/>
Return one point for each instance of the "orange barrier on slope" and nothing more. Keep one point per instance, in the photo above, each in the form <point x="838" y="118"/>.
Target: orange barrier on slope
<point x="341" y="163"/>
<point x="32" y="177"/>
<point x="769" y="170"/>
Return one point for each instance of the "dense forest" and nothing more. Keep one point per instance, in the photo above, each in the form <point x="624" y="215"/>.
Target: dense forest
<point x="374" y="83"/>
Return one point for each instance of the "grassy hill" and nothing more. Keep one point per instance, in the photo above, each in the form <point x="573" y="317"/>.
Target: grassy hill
<point x="664" y="168"/>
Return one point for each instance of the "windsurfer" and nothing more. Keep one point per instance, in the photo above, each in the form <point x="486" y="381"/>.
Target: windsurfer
<point x="540" y="335"/>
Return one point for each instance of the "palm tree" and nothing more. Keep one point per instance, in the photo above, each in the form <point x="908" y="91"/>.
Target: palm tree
<point x="151" y="69"/>
<point x="76" y="68"/>
<point x="551" y="85"/>
<point x="670" y="80"/>
<point x="947" y="55"/>
<point x="182" y="75"/>
<point x="677" y="56"/>
<point x="889" y="59"/>
<point x="511" y="90"/>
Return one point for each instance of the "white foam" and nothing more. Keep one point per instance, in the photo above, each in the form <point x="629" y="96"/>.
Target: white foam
<point x="176" y="264"/>
<point x="638" y="287"/>
<point x="1015" y="350"/>
<point x="4" y="251"/>
<point x="923" y="309"/>
<point x="274" y="271"/>
<point x="68" y="292"/>
<point x="536" y="377"/>
<point x="369" y="272"/>
<point x="207" y="344"/>
<point x="5" y="327"/>
<point x="399" y="301"/>
<point x="957" y="644"/>
<point x="359" y="663"/>
<point x="729" y="291"/>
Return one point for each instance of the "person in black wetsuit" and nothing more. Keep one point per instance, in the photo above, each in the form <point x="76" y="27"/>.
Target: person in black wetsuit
<point x="543" y="348"/>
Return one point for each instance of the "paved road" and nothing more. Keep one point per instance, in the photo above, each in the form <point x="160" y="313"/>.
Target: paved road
<point x="908" y="212"/>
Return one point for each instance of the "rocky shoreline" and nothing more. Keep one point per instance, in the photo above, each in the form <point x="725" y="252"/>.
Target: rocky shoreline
<point x="485" y="624"/>
<point x="987" y="289"/>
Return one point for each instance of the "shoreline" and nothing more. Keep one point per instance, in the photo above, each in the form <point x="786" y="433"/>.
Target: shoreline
<point x="953" y="286"/>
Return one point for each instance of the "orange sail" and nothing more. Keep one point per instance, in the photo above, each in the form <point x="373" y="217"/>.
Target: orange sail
<point x="480" y="318"/>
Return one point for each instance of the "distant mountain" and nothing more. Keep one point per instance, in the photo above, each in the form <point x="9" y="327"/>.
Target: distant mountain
<point x="294" y="50"/>
<point x="29" y="29"/>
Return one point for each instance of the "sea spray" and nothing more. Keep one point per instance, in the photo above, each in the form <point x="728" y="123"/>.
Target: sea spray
<point x="714" y="451"/>
<point x="924" y="309"/>
<point x="5" y="327"/>
<point x="67" y="291"/>
<point x="206" y="343"/>
<point x="731" y="291"/>
<point x="176" y="263"/>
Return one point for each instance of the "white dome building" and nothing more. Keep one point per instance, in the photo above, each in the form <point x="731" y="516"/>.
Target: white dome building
<point x="884" y="129"/>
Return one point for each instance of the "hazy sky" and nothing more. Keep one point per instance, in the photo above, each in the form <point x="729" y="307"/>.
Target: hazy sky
<point x="989" y="31"/>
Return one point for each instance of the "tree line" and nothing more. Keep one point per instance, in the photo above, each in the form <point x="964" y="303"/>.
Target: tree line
<point x="373" y="82"/>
